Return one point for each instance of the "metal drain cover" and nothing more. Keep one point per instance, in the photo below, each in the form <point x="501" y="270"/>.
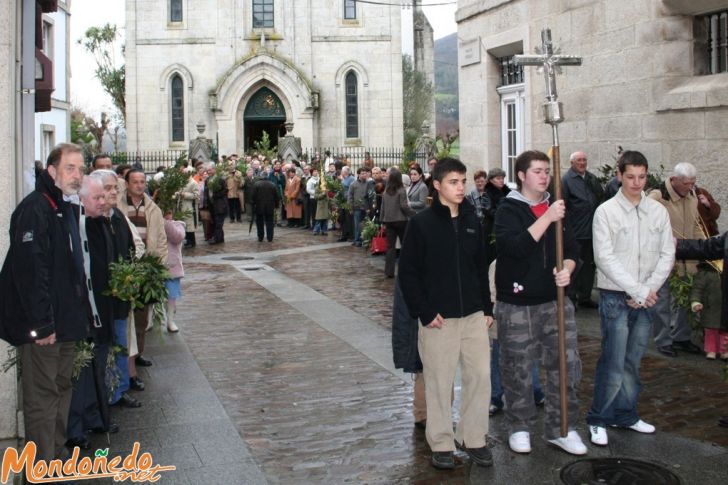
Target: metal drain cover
<point x="616" y="471"/>
<point x="238" y="258"/>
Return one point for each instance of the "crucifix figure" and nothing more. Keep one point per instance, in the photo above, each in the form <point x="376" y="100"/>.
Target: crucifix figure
<point x="551" y="61"/>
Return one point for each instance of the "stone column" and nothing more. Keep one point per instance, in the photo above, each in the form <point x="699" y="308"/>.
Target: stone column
<point x="8" y="187"/>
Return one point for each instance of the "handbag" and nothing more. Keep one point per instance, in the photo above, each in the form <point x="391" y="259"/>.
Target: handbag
<point x="379" y="242"/>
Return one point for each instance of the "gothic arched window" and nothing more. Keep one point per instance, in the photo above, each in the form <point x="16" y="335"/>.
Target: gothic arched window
<point x="178" y="108"/>
<point x="352" y="106"/>
<point x="175" y="10"/>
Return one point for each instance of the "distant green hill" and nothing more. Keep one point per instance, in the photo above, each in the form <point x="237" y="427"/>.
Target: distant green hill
<point x="446" y="84"/>
<point x="446" y="64"/>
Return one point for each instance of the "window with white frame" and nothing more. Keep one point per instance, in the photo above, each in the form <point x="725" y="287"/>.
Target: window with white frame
<point x="350" y="9"/>
<point x="176" y="13"/>
<point x="47" y="34"/>
<point x="263" y="14"/>
<point x="177" y="111"/>
<point x="352" y="105"/>
<point x="512" y="103"/>
<point x="48" y="141"/>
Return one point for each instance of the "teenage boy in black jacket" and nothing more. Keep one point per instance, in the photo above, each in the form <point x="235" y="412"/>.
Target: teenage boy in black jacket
<point x="526" y="281"/>
<point x="443" y="274"/>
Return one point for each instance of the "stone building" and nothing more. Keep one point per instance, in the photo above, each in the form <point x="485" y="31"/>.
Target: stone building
<point x="332" y="67"/>
<point x="653" y="79"/>
<point x="27" y="83"/>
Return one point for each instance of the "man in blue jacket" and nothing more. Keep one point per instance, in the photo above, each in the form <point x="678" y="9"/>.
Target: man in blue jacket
<point x="443" y="274"/>
<point x="45" y="307"/>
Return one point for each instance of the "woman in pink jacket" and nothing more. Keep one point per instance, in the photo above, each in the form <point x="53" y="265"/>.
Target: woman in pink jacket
<point x="175" y="231"/>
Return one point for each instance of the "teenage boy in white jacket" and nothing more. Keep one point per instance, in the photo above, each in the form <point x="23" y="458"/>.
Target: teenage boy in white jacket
<point x="634" y="253"/>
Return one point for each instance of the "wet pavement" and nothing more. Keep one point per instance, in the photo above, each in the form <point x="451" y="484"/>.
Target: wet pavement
<point x="282" y="372"/>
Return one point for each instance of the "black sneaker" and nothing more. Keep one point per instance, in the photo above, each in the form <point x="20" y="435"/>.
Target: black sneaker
<point x="444" y="460"/>
<point x="480" y="456"/>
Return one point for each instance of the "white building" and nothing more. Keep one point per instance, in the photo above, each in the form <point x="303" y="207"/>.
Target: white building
<point x="332" y="67"/>
<point x="54" y="126"/>
<point x="654" y="78"/>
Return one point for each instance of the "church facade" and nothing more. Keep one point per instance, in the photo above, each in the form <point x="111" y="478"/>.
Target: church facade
<point x="333" y="68"/>
<point x="654" y="78"/>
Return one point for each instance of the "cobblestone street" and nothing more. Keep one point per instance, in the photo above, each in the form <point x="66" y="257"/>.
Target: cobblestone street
<point x="292" y="338"/>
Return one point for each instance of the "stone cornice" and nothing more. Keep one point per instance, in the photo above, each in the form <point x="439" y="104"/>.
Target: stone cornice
<point x="188" y="41"/>
<point x="475" y="8"/>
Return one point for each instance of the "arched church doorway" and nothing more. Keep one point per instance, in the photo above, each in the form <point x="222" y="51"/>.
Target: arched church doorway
<point x="264" y="112"/>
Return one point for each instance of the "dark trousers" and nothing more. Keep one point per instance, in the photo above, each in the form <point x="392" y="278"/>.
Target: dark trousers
<point x="311" y="212"/>
<point x="264" y="221"/>
<point x="306" y="210"/>
<point x="207" y="225"/>
<point x="580" y="290"/>
<point x="141" y="319"/>
<point x="47" y="388"/>
<point x="218" y="235"/>
<point x="90" y="402"/>
<point x="394" y="230"/>
<point x="234" y="209"/>
<point x="347" y="223"/>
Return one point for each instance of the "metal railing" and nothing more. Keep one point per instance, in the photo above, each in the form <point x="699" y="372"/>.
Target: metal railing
<point x="382" y="157"/>
<point x="149" y="161"/>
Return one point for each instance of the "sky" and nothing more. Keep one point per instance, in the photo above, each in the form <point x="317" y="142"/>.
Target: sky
<point x="86" y="91"/>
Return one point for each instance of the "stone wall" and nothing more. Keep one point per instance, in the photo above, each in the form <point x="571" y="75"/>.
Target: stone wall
<point x="635" y="89"/>
<point x="8" y="10"/>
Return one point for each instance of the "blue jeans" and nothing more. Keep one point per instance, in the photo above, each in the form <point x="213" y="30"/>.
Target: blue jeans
<point x="122" y="361"/>
<point x="626" y="332"/>
<point x="359" y="215"/>
<point x="496" y="388"/>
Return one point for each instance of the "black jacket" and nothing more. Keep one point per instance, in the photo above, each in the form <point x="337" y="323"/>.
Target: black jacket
<point x="524" y="271"/>
<point x="404" y="335"/>
<point x="442" y="270"/>
<point x="101" y="252"/>
<point x="266" y="197"/>
<point x="41" y="282"/>
<point x="123" y="242"/>
<point x="713" y="248"/>
<point x="582" y="195"/>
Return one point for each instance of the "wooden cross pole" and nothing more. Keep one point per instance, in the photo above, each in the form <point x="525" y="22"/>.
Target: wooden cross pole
<point x="553" y="113"/>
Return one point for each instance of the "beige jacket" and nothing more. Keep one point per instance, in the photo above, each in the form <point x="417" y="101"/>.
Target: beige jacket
<point x="156" y="242"/>
<point x="684" y="216"/>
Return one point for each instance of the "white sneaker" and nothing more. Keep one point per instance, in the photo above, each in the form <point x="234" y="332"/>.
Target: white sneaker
<point x="598" y="435"/>
<point x="172" y="327"/>
<point x="642" y="427"/>
<point x="520" y="442"/>
<point x="571" y="444"/>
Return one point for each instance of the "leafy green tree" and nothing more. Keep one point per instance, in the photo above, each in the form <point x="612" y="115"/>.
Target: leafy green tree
<point x="418" y="93"/>
<point x="101" y="43"/>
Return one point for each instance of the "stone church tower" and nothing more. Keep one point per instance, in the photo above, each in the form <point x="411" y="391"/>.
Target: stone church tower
<point x="331" y="67"/>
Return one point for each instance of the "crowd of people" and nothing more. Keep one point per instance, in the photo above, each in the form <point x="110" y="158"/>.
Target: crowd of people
<point x="476" y="281"/>
<point x="484" y="262"/>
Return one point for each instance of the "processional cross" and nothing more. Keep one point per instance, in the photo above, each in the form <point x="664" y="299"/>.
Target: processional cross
<point x="550" y="61"/>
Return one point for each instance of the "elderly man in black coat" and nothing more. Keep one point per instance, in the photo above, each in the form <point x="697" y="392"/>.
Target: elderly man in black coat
<point x="266" y="198"/>
<point x="709" y="249"/>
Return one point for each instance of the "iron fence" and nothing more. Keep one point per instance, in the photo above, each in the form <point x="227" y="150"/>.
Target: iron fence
<point x="382" y="157"/>
<point x="149" y="161"/>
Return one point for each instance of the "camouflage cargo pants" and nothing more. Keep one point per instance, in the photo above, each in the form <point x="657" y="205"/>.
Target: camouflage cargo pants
<point x="527" y="333"/>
